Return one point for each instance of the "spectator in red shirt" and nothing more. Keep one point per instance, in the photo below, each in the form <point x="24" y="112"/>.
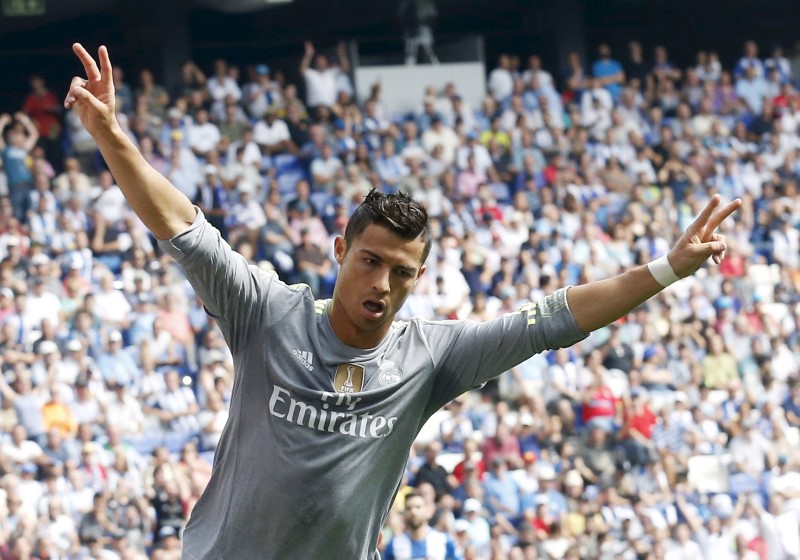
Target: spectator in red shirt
<point x="505" y="445"/>
<point x="472" y="460"/>
<point x="636" y="435"/>
<point x="44" y="109"/>
<point x="599" y="404"/>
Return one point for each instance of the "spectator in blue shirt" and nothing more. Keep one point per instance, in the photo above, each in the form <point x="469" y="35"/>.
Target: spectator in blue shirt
<point x="608" y="71"/>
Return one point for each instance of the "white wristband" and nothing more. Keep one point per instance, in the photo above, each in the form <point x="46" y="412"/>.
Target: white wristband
<point x="662" y="271"/>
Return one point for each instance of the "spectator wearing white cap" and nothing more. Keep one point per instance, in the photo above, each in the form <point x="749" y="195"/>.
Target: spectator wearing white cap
<point x="48" y="366"/>
<point x="115" y="363"/>
<point x="477" y="527"/>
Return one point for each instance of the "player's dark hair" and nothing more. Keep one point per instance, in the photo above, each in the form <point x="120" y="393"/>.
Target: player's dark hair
<point x="413" y="494"/>
<point x="399" y="213"/>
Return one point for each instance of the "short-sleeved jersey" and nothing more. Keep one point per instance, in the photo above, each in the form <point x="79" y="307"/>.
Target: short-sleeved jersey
<point x="319" y="432"/>
<point x="435" y="545"/>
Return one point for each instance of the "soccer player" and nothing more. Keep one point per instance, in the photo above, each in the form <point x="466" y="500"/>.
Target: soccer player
<point x="329" y="395"/>
<point x="420" y="540"/>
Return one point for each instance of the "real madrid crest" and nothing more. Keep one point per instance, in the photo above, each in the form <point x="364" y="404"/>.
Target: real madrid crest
<point x="389" y="373"/>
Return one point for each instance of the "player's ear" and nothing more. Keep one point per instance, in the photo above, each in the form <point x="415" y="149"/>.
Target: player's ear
<point x="422" y="270"/>
<point x="339" y="249"/>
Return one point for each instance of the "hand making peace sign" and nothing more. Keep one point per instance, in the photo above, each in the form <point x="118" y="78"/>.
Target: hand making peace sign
<point x="93" y="96"/>
<point x="699" y="242"/>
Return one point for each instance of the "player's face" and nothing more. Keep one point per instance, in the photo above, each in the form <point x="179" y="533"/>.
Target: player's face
<point x="416" y="512"/>
<point x="378" y="271"/>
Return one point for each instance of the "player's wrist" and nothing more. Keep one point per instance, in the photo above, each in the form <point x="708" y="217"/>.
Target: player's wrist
<point x="662" y="271"/>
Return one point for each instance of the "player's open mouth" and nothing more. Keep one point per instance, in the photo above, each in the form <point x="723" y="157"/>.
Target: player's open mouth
<point x="374" y="307"/>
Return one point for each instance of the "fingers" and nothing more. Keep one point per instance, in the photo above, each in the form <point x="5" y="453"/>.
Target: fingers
<point x="77" y="83"/>
<point x="105" y="65"/>
<point x="722" y="214"/>
<point x="79" y="94"/>
<point x="716" y="248"/>
<point x="699" y="225"/>
<point x="89" y="65"/>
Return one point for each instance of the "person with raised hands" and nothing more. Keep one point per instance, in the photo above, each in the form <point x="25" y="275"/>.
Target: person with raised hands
<point x="330" y="395"/>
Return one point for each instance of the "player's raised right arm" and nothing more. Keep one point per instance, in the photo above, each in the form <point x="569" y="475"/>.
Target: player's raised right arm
<point x="162" y="207"/>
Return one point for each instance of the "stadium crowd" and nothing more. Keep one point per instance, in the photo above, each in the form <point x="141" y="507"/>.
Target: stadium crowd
<point x="672" y="434"/>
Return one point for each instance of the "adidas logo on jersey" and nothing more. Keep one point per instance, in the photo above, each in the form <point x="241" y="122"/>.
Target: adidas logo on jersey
<point x="306" y="358"/>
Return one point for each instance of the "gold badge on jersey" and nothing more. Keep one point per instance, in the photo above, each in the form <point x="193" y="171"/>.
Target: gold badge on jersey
<point x="349" y="378"/>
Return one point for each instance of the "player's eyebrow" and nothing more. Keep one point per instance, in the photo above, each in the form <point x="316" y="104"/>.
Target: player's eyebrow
<point x="377" y="257"/>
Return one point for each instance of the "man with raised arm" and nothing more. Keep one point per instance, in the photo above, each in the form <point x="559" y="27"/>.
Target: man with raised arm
<point x="329" y="395"/>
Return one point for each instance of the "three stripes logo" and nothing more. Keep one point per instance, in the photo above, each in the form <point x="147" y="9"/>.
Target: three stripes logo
<point x="306" y="358"/>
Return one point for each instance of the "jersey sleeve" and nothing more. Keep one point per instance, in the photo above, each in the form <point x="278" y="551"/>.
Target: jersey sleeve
<point x="467" y="354"/>
<point x="239" y="295"/>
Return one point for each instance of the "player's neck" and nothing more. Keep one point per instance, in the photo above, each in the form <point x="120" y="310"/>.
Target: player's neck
<point x="349" y="333"/>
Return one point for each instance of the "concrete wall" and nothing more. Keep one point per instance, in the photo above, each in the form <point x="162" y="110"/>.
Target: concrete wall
<point x="402" y="87"/>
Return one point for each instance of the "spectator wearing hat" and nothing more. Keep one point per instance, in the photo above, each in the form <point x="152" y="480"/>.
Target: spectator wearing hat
<point x="261" y="93"/>
<point x="477" y="526"/>
<point x="47" y="356"/>
<point x="116" y="364"/>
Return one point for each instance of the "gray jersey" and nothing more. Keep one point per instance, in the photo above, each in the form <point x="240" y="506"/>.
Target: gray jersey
<point x="319" y="432"/>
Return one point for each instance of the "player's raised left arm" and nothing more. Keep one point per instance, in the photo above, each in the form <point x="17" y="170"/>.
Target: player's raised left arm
<point x="597" y="304"/>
